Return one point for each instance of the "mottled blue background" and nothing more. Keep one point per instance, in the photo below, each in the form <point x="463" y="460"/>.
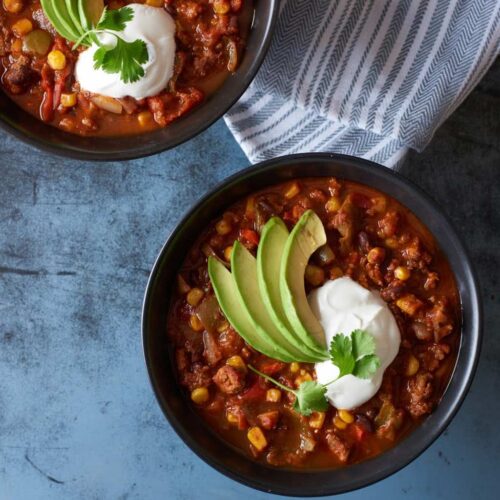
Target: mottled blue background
<point x="78" y="419"/>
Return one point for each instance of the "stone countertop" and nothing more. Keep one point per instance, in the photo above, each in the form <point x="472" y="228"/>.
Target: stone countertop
<point x="78" y="419"/>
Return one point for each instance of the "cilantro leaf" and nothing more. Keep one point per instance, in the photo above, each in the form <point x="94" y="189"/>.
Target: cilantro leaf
<point x="115" y="19"/>
<point x="125" y="58"/>
<point x="366" y="366"/>
<point x="310" y="396"/>
<point x="363" y="344"/>
<point x="341" y="354"/>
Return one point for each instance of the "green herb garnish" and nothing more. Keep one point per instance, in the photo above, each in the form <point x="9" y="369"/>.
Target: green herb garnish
<point x="123" y="57"/>
<point x="354" y="355"/>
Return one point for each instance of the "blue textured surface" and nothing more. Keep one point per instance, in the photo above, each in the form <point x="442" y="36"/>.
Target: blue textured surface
<point x="78" y="419"/>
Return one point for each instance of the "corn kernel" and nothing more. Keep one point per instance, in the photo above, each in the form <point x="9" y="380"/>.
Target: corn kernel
<point x="332" y="205"/>
<point x="273" y="395"/>
<point x="200" y="395"/>
<point x="314" y="275"/>
<point x="294" y="367"/>
<point x="376" y="255"/>
<point x="409" y="304"/>
<point x="223" y="227"/>
<point x="302" y="378"/>
<point x="68" y="100"/>
<point x="56" y="60"/>
<point x="227" y="252"/>
<point x="237" y="362"/>
<point x="13" y="6"/>
<point x="391" y="243"/>
<point x="22" y="27"/>
<point x="16" y="45"/>
<point x="221" y="7"/>
<point x="346" y="416"/>
<point x="155" y="3"/>
<point x="317" y="419"/>
<point x="195" y="323"/>
<point x="232" y="418"/>
<point x="339" y="423"/>
<point x="412" y="366"/>
<point x="257" y="438"/>
<point x="145" y="118"/>
<point x="194" y="296"/>
<point x="402" y="273"/>
<point x="292" y="191"/>
<point x="250" y="207"/>
<point x="223" y="327"/>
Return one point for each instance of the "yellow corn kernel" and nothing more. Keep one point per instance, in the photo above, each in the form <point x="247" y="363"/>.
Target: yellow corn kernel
<point x="314" y="275"/>
<point x="56" y="60"/>
<point x="317" y="419"/>
<point x="376" y="255"/>
<point x="232" y="418"/>
<point x="402" y="273"/>
<point x="237" y="362"/>
<point x="302" y="378"/>
<point x="292" y="191"/>
<point x="155" y="3"/>
<point x="250" y="207"/>
<point x="68" y="100"/>
<point x="194" y="296"/>
<point x="412" y="366"/>
<point x="257" y="438"/>
<point x="22" y="27"/>
<point x="332" y="205"/>
<point x="195" y="323"/>
<point x="13" y="6"/>
<point x="223" y="327"/>
<point x="409" y="304"/>
<point x="227" y="252"/>
<point x="346" y="416"/>
<point x="16" y="45"/>
<point x="200" y="395"/>
<point x="223" y="227"/>
<point x="294" y="367"/>
<point x="221" y="7"/>
<point x="391" y="243"/>
<point x="145" y="118"/>
<point x="273" y="395"/>
<point x="339" y="423"/>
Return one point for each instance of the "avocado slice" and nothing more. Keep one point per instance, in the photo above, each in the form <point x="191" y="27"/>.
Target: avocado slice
<point x="269" y="256"/>
<point x="306" y="237"/>
<point x="244" y="267"/>
<point x="227" y="295"/>
<point x="90" y="12"/>
<point x="72" y="8"/>
<point x="58" y="15"/>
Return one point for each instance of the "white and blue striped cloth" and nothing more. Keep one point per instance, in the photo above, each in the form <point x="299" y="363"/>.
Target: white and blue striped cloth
<point x="370" y="78"/>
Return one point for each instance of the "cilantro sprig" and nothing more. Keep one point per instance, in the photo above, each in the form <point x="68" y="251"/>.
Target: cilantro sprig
<point x="125" y="58"/>
<point x="354" y="355"/>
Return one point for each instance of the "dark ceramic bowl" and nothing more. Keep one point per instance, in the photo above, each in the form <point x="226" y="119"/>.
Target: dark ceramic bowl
<point x="175" y="405"/>
<point x="31" y="130"/>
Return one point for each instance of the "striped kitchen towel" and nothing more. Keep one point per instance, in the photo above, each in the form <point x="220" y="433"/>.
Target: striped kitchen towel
<point x="370" y="78"/>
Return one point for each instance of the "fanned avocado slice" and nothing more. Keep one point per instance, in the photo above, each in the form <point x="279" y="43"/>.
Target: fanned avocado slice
<point x="58" y="15"/>
<point x="306" y="237"/>
<point x="72" y="8"/>
<point x="227" y="295"/>
<point x="244" y="269"/>
<point x="269" y="256"/>
<point x="90" y="12"/>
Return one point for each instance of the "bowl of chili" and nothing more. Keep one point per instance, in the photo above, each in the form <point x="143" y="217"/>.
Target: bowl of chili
<point x="218" y="54"/>
<point x="422" y="389"/>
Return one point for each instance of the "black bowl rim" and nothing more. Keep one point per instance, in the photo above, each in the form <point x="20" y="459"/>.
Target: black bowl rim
<point x="66" y="152"/>
<point x="468" y="365"/>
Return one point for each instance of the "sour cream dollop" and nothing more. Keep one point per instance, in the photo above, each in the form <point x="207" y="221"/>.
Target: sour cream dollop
<point x="341" y="306"/>
<point x="157" y="28"/>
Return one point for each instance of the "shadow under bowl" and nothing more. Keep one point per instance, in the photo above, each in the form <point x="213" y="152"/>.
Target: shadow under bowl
<point x="176" y="407"/>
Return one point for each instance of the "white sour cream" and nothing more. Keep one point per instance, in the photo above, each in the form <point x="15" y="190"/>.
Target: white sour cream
<point x="341" y="306"/>
<point x="157" y="28"/>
